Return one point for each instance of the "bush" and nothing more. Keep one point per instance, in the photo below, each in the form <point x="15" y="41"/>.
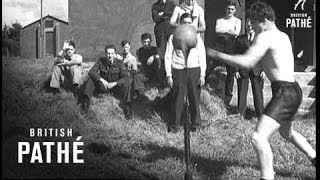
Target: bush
<point x="11" y="40"/>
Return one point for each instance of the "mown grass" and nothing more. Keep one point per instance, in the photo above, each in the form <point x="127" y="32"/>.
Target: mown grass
<point x="141" y="148"/>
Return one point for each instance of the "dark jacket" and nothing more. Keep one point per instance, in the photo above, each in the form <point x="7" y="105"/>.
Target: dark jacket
<point x="115" y="72"/>
<point x="242" y="44"/>
<point x="144" y="54"/>
<point x="166" y="7"/>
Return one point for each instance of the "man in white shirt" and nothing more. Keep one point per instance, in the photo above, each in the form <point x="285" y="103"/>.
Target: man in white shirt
<point x="228" y="28"/>
<point x="196" y="11"/>
<point x="67" y="63"/>
<point x="131" y="63"/>
<point x="175" y="70"/>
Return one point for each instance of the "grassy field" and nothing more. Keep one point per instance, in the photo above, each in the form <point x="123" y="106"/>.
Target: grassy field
<point x="141" y="148"/>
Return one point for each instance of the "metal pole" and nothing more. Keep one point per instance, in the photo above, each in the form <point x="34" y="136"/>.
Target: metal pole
<point x="41" y="32"/>
<point x="188" y="174"/>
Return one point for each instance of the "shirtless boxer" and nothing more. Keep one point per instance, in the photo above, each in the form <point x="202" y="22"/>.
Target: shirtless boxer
<point x="273" y="51"/>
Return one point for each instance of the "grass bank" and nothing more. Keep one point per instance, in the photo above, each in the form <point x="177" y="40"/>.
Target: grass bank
<point x="141" y="148"/>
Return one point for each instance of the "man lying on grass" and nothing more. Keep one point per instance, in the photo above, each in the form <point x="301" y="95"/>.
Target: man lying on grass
<point x="273" y="51"/>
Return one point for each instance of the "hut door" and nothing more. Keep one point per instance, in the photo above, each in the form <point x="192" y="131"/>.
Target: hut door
<point x="50" y="43"/>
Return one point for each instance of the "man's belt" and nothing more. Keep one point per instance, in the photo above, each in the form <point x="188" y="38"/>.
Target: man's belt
<point x="227" y="37"/>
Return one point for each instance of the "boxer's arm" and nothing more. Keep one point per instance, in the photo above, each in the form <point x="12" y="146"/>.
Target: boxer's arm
<point x="247" y="60"/>
<point x="238" y="27"/>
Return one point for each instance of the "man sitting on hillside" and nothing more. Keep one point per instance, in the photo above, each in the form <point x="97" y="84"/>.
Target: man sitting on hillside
<point x="131" y="63"/>
<point x="150" y="61"/>
<point x="109" y="74"/>
<point x="67" y="63"/>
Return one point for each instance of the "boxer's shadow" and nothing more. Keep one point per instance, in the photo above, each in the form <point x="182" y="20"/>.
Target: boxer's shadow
<point x="98" y="148"/>
<point x="207" y="166"/>
<point x="204" y="165"/>
<point x="142" y="107"/>
<point x="161" y="106"/>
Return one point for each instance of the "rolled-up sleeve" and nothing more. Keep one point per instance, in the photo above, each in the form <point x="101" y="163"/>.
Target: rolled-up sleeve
<point x="201" y="56"/>
<point x="220" y="27"/>
<point x="238" y="27"/>
<point x="77" y="58"/>
<point x="168" y="56"/>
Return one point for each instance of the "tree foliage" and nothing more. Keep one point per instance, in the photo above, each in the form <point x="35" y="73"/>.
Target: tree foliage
<point x="11" y="39"/>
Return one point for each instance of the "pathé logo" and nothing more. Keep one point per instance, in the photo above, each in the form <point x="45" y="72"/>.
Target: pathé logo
<point x="302" y="2"/>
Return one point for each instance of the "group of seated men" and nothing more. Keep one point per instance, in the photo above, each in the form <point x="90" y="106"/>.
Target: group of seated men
<point x="117" y="73"/>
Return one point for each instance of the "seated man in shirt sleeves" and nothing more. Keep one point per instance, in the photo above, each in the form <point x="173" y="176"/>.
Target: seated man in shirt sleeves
<point x="67" y="64"/>
<point x="196" y="67"/>
<point x="133" y="67"/>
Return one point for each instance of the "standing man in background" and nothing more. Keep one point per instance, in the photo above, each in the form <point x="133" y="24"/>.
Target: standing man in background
<point x="196" y="11"/>
<point x="255" y="75"/>
<point x="161" y="13"/>
<point x="228" y="28"/>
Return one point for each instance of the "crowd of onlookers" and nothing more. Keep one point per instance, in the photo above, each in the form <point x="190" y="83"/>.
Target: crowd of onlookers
<point x="152" y="65"/>
<point x="184" y="70"/>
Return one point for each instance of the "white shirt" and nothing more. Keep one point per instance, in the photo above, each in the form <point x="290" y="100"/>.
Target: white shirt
<point x="175" y="59"/>
<point x="130" y="61"/>
<point x="197" y="11"/>
<point x="231" y="26"/>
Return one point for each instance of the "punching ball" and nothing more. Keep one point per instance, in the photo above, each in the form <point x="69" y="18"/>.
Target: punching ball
<point x="184" y="38"/>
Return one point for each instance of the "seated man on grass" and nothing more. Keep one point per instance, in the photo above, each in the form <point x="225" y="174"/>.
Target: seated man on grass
<point x="150" y="61"/>
<point x="67" y="64"/>
<point x="132" y="65"/>
<point x="109" y="74"/>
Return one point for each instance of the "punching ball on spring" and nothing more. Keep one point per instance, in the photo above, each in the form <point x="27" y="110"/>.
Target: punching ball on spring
<point x="184" y="38"/>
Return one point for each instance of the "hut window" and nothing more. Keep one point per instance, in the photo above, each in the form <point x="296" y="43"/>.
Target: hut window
<point x="49" y="24"/>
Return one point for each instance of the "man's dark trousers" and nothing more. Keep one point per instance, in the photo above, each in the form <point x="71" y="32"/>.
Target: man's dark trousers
<point x="125" y="89"/>
<point x="183" y="81"/>
<point x="257" y="86"/>
<point x="257" y="90"/>
<point x="228" y="47"/>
